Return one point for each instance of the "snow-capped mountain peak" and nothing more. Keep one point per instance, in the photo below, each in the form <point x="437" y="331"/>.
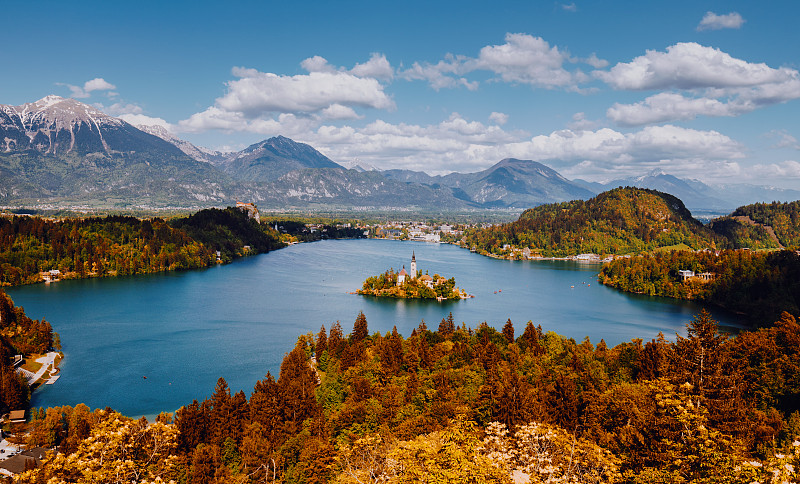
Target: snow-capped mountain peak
<point x="57" y="125"/>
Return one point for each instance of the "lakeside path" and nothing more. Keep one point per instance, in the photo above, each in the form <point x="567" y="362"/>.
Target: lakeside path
<point x="46" y="361"/>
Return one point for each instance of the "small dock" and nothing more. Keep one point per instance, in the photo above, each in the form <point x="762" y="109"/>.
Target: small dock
<point x="52" y="379"/>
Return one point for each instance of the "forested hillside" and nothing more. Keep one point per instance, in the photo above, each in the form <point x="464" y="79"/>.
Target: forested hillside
<point x="457" y="405"/>
<point x="229" y="231"/>
<point x="116" y="245"/>
<point x="19" y="335"/>
<point x="620" y="221"/>
<point x="758" y="285"/>
<point x="782" y="219"/>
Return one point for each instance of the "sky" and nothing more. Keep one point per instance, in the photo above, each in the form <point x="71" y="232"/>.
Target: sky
<point x="597" y="90"/>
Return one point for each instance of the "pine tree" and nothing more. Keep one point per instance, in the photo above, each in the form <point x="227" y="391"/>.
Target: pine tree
<point x="508" y="331"/>
<point x="447" y="327"/>
<point x="322" y="343"/>
<point x="335" y="340"/>
<point x="360" y="330"/>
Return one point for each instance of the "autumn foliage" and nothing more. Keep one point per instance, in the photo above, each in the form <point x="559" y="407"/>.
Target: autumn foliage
<point x="464" y="405"/>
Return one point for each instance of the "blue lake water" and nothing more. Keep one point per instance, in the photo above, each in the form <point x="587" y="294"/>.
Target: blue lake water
<point x="182" y="331"/>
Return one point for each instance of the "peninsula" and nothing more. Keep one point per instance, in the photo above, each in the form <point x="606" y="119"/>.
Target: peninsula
<point x="412" y="285"/>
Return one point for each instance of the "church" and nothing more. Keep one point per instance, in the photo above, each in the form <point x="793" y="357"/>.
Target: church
<point x="403" y="275"/>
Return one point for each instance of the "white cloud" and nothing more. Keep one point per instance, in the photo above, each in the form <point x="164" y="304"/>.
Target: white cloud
<point x="606" y="154"/>
<point x="718" y="84"/>
<point x="458" y="144"/>
<point x="376" y="67"/>
<point x="96" y="84"/>
<point x="256" y="93"/>
<point x="437" y="74"/>
<point x="667" y="106"/>
<point x="337" y="111"/>
<point x="527" y="60"/>
<point x="317" y="64"/>
<point x="712" y="21"/>
<point x="120" y="108"/>
<point x="785" y="140"/>
<point x="522" y="59"/>
<point x="253" y="101"/>
<point x="580" y="123"/>
<point x="569" y="7"/>
<point x="593" y="61"/>
<point x="134" y="114"/>
<point x="787" y="169"/>
<point x="141" y="119"/>
<point x="498" y="118"/>
<point x="691" y="66"/>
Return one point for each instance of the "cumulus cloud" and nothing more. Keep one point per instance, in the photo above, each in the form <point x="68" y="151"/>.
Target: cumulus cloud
<point x="498" y="118"/>
<point x="716" y="84"/>
<point x="444" y="74"/>
<point x="522" y="59"/>
<point x="254" y="99"/>
<point x="712" y="21"/>
<point x="458" y="144"/>
<point x="667" y="106"/>
<point x="527" y="60"/>
<point x="317" y="64"/>
<point x="689" y="65"/>
<point x="256" y="93"/>
<point x="376" y="67"/>
<point x="787" y="169"/>
<point x="96" y="84"/>
<point x="337" y="111"/>
<point x="580" y="123"/>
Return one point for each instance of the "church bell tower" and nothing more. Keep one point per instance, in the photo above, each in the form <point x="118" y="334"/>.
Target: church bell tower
<point x="413" y="266"/>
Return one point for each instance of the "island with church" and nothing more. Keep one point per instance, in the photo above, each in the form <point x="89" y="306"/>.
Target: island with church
<point x="412" y="285"/>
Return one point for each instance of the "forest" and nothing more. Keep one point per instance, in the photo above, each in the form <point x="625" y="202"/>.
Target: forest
<point x="758" y="285"/>
<point x="19" y="335"/>
<point x="458" y="404"/>
<point x="762" y="225"/>
<point x="619" y="221"/>
<point x="117" y="245"/>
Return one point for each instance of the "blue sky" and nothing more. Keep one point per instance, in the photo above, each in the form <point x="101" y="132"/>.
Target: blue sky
<point x="596" y="90"/>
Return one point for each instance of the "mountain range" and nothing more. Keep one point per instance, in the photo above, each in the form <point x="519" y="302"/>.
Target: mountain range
<point x="61" y="152"/>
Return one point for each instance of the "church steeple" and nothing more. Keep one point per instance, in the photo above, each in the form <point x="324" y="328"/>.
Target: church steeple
<point x="413" y="266"/>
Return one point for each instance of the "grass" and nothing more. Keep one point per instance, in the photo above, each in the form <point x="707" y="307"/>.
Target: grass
<point x="31" y="364"/>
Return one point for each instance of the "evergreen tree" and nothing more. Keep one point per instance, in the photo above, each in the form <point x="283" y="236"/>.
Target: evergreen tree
<point x="508" y="331"/>
<point x="322" y="343"/>
<point x="360" y="330"/>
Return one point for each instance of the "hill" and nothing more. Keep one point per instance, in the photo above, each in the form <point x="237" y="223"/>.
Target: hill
<point x="620" y="221"/>
<point x="698" y="197"/>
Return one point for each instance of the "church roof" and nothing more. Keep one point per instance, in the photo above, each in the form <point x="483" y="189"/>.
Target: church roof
<point x="403" y="273"/>
<point x="426" y="277"/>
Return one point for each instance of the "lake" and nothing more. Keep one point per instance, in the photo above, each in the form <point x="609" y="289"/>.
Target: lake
<point x="184" y="330"/>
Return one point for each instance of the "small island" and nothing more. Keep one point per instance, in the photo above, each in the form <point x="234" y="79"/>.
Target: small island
<point x="412" y="285"/>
